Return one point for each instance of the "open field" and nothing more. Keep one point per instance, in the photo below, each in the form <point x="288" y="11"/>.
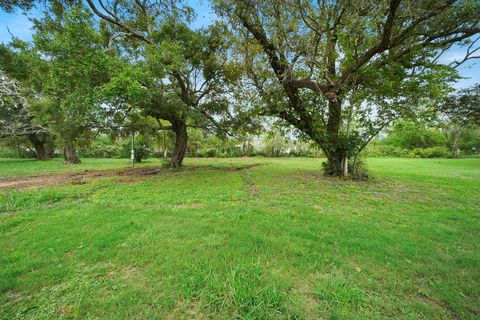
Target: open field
<point x="240" y="238"/>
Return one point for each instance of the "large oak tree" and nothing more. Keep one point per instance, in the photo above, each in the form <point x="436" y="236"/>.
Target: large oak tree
<point x="188" y="69"/>
<point x="77" y="62"/>
<point x="340" y="71"/>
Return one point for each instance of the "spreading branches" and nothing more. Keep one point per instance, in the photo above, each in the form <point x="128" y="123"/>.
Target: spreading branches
<point x="472" y="49"/>
<point x="111" y="16"/>
<point x="10" y="88"/>
<point x="15" y="119"/>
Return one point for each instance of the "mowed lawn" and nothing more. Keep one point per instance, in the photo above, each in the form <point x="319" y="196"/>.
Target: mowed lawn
<point x="217" y="241"/>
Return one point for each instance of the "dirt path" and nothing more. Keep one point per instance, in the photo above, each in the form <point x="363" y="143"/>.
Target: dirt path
<point x="52" y="179"/>
<point x="81" y="177"/>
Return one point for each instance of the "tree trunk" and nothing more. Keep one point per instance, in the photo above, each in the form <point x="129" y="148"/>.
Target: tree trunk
<point x="39" y="146"/>
<point x="345" y="166"/>
<point x="164" y="145"/>
<point x="180" y="129"/>
<point x="70" y="154"/>
<point x="456" y="142"/>
<point x="337" y="157"/>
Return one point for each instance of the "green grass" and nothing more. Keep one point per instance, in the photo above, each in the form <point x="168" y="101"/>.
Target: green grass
<point x="277" y="241"/>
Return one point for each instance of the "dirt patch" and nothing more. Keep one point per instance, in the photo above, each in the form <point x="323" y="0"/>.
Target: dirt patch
<point x="81" y="177"/>
<point x="248" y="180"/>
<point x="196" y="205"/>
<point x="65" y="310"/>
<point x="187" y="310"/>
<point x="14" y="295"/>
<point x="235" y="168"/>
<point x="311" y="304"/>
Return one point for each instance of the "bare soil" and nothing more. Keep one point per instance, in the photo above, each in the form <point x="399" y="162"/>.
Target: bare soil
<point x="81" y="177"/>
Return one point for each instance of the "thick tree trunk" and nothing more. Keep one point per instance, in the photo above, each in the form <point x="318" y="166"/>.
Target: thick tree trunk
<point x="180" y="129"/>
<point x="70" y="154"/>
<point x="334" y="164"/>
<point x="336" y="155"/>
<point x="39" y="146"/>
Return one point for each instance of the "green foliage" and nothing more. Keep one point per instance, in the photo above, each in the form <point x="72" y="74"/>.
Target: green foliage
<point x="462" y="107"/>
<point x="395" y="151"/>
<point x="341" y="73"/>
<point x="421" y="139"/>
<point x="202" y="145"/>
<point x="470" y="140"/>
<point x="77" y="64"/>
<point x="15" y="147"/>
<point x="11" y="5"/>
<point x="410" y="135"/>
<point x="141" y="148"/>
<point x="432" y="152"/>
<point x="103" y="146"/>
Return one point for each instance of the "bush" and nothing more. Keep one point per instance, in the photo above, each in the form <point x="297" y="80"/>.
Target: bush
<point x="414" y="134"/>
<point x="382" y="150"/>
<point x="433" y="152"/>
<point x="208" y="153"/>
<point x="357" y="169"/>
<point x="8" y="152"/>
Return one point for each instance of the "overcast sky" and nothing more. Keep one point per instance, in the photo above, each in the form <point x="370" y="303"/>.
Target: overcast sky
<point x="19" y="25"/>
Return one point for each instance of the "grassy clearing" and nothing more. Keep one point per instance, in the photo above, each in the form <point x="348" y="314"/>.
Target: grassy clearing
<point x="276" y="241"/>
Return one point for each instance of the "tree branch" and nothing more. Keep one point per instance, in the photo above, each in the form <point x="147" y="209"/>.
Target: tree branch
<point x="115" y="20"/>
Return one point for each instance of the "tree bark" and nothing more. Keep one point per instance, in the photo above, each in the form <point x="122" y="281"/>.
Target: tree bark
<point x="456" y="142"/>
<point x="70" y="154"/>
<point x="164" y="145"/>
<point x="334" y="149"/>
<point x="179" y="127"/>
<point x="345" y="166"/>
<point x="39" y="146"/>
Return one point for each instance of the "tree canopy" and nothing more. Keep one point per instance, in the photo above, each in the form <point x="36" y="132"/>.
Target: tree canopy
<point x="338" y="72"/>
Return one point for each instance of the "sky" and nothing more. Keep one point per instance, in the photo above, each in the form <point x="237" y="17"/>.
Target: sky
<point x="20" y="26"/>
